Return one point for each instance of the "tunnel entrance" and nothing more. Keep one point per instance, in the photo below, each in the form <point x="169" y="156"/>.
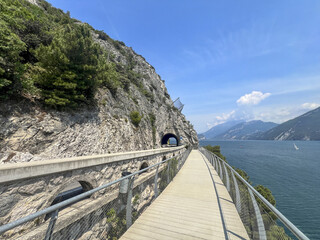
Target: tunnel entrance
<point x="71" y="190"/>
<point x="169" y="140"/>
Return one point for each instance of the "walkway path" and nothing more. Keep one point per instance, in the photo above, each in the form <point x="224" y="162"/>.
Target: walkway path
<point x="189" y="208"/>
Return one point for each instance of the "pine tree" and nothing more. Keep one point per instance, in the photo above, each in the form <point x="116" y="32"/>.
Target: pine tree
<point x="69" y="66"/>
<point x="11" y="68"/>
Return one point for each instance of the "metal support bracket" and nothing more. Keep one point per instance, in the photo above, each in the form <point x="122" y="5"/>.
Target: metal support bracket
<point x="52" y="222"/>
<point x="238" y="203"/>
<point x="156" y="183"/>
<point x="227" y="177"/>
<point x="168" y="172"/>
<point x="129" y="205"/>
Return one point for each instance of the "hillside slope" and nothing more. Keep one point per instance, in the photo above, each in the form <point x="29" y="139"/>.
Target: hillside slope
<point x="304" y="127"/>
<point x="246" y="130"/>
<point x="58" y="102"/>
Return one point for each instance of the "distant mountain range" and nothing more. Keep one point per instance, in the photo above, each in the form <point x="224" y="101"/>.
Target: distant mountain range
<point x="237" y="130"/>
<point x="304" y="127"/>
<point x="217" y="130"/>
<point x="246" y="130"/>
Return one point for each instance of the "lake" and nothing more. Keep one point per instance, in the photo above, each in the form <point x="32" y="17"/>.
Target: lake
<point x="292" y="175"/>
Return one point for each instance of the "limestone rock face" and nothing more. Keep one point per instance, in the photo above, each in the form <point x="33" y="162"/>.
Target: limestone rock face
<point x="30" y="132"/>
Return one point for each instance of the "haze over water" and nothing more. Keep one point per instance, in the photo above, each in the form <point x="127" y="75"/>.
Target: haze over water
<point x="292" y="175"/>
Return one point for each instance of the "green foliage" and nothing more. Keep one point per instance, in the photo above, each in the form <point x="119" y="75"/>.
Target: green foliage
<point x="44" y="53"/>
<point x="215" y="150"/>
<point x="33" y="35"/>
<point x="135" y="118"/>
<point x="107" y="75"/>
<point x="153" y="126"/>
<point x="266" y="193"/>
<point x="117" y="224"/>
<point x="102" y="35"/>
<point x="152" y="118"/>
<point x="47" y="55"/>
<point x="136" y="199"/>
<point x="243" y="174"/>
<point x="11" y="69"/>
<point x="118" y="45"/>
<point x="276" y="232"/>
<point x="70" y="67"/>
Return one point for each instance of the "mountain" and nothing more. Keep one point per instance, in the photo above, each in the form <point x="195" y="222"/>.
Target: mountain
<point x="246" y="130"/>
<point x="218" y="129"/>
<point x="304" y="127"/>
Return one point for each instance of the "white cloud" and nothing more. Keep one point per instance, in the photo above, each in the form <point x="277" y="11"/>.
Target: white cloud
<point x="310" y="106"/>
<point x="233" y="115"/>
<point x="252" y="98"/>
<point x="225" y="116"/>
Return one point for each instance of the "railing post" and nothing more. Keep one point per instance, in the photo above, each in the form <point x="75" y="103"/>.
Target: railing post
<point x="156" y="183"/>
<point x="214" y="162"/>
<point x="261" y="229"/>
<point x="217" y="165"/>
<point x="227" y="177"/>
<point x="129" y="207"/>
<point x="168" y="172"/>
<point x="52" y="222"/>
<point x="238" y="203"/>
<point x="220" y="171"/>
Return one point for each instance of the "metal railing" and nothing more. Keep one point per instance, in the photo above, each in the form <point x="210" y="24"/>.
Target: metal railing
<point x="106" y="217"/>
<point x="258" y="215"/>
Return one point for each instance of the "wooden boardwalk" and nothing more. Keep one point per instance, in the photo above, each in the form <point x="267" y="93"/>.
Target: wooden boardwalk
<point x="189" y="209"/>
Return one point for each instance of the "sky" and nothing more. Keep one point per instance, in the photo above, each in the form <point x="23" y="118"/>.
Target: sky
<point x="225" y="59"/>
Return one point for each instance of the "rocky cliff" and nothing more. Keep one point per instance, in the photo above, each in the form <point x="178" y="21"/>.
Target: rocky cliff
<point x="30" y="131"/>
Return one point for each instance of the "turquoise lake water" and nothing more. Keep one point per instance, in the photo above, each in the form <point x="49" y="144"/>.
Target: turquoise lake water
<point x="292" y="175"/>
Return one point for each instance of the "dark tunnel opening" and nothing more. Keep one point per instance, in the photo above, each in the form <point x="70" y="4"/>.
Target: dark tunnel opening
<point x="169" y="140"/>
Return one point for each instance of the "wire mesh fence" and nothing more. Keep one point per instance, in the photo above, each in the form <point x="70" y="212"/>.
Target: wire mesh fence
<point x="105" y="212"/>
<point x="178" y="104"/>
<point x="260" y="220"/>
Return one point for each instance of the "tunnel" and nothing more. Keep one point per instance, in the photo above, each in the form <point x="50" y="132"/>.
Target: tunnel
<point x="171" y="136"/>
<point x="69" y="191"/>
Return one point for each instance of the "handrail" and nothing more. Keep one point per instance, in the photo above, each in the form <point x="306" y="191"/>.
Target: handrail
<point x="72" y="200"/>
<point x="17" y="171"/>
<point x="281" y="217"/>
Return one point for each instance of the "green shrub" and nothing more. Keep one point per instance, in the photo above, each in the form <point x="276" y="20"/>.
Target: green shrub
<point x="102" y="35"/>
<point x="154" y="130"/>
<point x="215" y="150"/>
<point x="135" y="118"/>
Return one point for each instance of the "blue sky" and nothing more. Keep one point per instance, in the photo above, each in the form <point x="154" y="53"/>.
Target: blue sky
<point x="225" y="59"/>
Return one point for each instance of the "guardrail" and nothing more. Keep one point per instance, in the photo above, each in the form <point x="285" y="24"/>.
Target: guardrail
<point x="106" y="217"/>
<point x="257" y="214"/>
<point x="18" y="171"/>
